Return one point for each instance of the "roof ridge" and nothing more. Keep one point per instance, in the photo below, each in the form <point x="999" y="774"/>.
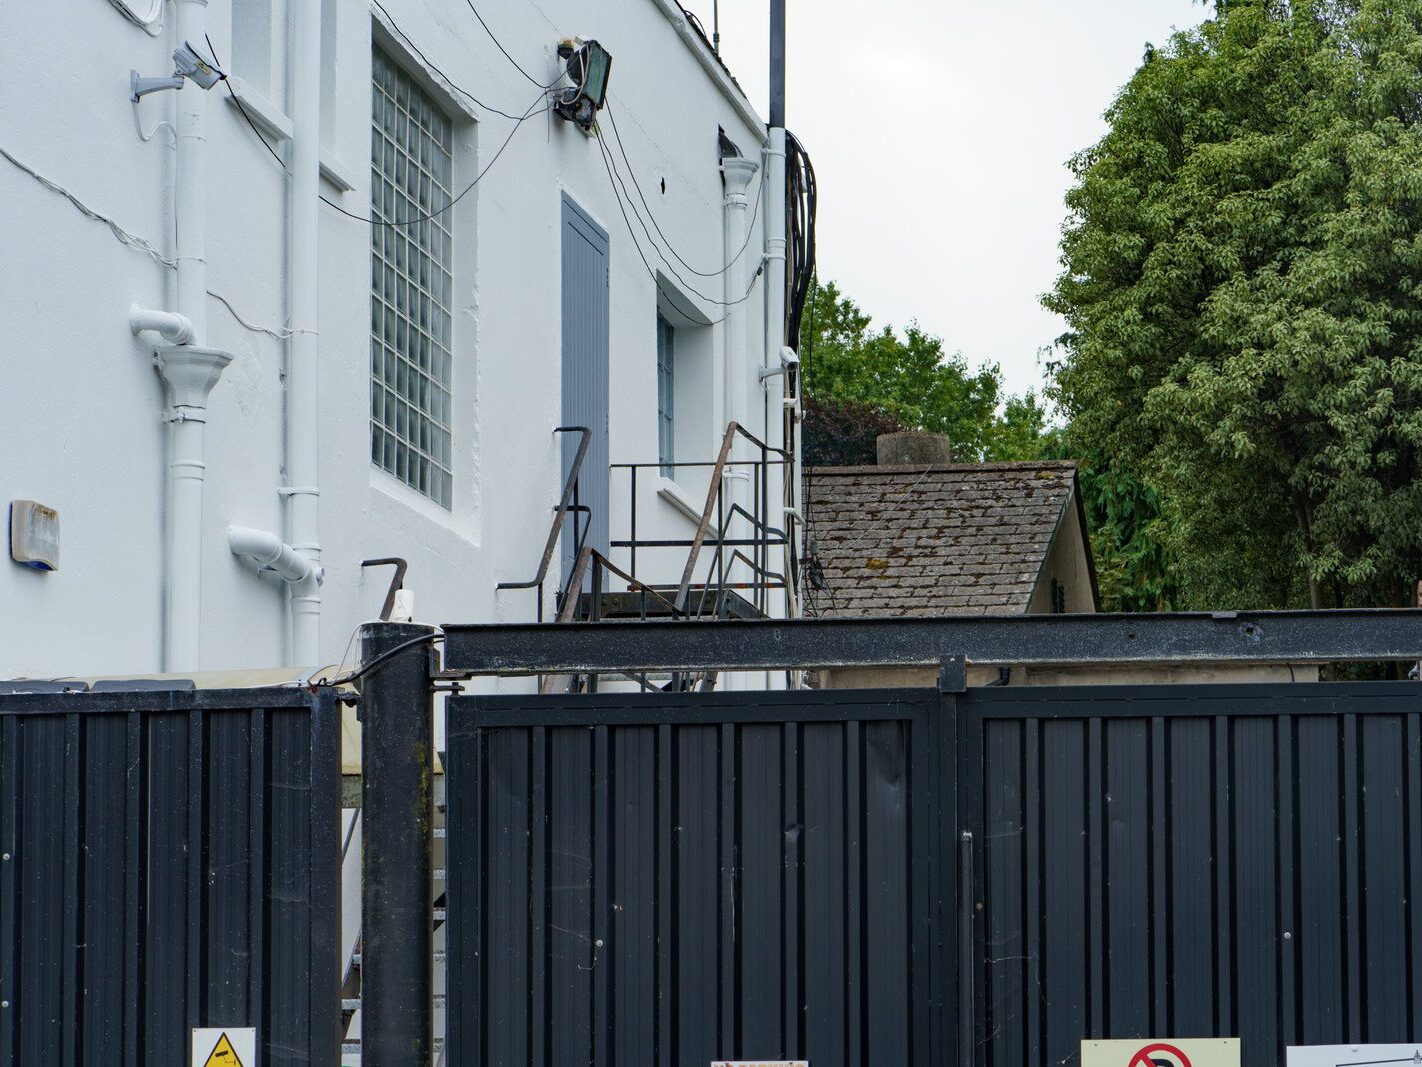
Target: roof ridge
<point x="948" y="468"/>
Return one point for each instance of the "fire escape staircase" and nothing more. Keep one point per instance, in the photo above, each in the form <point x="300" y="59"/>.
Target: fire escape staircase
<point x="727" y="573"/>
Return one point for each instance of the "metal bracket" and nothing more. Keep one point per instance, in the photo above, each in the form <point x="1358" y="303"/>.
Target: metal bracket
<point x="396" y="583"/>
<point x="953" y="674"/>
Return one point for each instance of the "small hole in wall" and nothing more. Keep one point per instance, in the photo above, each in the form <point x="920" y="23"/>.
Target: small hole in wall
<point x="664" y="187"/>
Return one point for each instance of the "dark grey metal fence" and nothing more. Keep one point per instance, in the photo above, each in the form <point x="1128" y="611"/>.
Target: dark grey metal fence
<point x="1193" y="861"/>
<point x="684" y="878"/>
<point x="168" y="860"/>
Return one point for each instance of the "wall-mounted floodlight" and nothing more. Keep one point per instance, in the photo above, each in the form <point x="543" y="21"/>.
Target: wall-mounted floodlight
<point x="589" y="64"/>
<point x="188" y="63"/>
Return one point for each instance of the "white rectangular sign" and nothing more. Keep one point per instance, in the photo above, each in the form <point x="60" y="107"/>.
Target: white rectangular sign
<point x="224" y="1046"/>
<point x="1351" y="1055"/>
<point x="761" y="1063"/>
<point x="1162" y="1052"/>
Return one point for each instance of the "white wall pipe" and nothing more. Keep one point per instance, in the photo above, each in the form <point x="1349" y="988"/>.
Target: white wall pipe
<point x="303" y="379"/>
<point x="268" y="552"/>
<point x="190" y="182"/>
<point x="188" y="372"/>
<point x="302" y="575"/>
<point x="188" y="379"/>
<point x="775" y="320"/>
<point x="174" y="328"/>
<point x="737" y="173"/>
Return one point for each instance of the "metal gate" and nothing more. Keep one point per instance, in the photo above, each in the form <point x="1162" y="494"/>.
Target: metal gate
<point x="1193" y="861"/>
<point x="684" y="878"/>
<point x="871" y="877"/>
<point x="162" y="867"/>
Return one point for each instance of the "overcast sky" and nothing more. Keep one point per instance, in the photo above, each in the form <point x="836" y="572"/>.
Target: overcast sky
<point x="940" y="131"/>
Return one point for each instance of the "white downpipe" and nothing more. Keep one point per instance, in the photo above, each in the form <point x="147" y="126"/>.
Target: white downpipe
<point x="188" y="372"/>
<point x="738" y="172"/>
<point x="303" y="378"/>
<point x="190" y="192"/>
<point x="174" y="328"/>
<point x="302" y="575"/>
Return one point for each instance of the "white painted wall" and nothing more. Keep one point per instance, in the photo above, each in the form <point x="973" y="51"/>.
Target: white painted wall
<point x="81" y="427"/>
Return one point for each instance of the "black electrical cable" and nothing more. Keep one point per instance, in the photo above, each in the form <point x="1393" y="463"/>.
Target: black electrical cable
<point x="801" y="206"/>
<point x="378" y="662"/>
<point x="623" y="196"/>
<point x="672" y="298"/>
<point x="750" y="229"/>
<point x="364" y="218"/>
<point x="499" y="45"/>
<point x="459" y="88"/>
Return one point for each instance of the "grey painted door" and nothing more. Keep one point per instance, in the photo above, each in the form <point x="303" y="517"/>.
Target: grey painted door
<point x="585" y="368"/>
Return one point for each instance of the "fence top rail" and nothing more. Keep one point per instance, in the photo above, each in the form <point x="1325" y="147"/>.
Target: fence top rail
<point x="1297" y="637"/>
<point x="111" y="701"/>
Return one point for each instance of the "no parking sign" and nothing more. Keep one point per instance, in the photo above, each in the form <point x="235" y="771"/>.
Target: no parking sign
<point x="1165" y="1052"/>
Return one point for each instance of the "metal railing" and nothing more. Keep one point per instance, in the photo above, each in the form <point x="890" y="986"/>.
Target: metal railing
<point x="581" y="597"/>
<point x="568" y="502"/>
<point x="763" y="535"/>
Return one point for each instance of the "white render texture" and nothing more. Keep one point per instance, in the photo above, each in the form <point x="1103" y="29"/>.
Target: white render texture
<point x="83" y="430"/>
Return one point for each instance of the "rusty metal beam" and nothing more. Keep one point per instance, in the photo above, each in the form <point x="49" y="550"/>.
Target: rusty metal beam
<point x="1034" y="640"/>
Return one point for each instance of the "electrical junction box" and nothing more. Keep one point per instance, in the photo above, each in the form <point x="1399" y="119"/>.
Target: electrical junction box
<point x="34" y="535"/>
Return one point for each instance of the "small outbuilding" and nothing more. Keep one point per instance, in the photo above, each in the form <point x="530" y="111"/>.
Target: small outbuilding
<point x="920" y="535"/>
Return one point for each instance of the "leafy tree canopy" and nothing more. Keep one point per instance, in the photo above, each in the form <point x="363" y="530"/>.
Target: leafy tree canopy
<point x="860" y="380"/>
<point x="1243" y="287"/>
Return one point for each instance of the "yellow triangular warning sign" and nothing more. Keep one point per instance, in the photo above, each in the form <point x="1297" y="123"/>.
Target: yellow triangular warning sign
<point x="223" y="1055"/>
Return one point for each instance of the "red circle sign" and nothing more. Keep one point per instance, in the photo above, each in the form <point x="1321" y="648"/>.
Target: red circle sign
<point x="1160" y="1055"/>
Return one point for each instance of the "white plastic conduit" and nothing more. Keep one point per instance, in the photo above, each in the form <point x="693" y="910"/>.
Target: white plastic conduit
<point x="268" y="552"/>
<point x="175" y="329"/>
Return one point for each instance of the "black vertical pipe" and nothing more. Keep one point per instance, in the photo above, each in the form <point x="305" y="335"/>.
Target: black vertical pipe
<point x="777" y="63"/>
<point x="397" y="767"/>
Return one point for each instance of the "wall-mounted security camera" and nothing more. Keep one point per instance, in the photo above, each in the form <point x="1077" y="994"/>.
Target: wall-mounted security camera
<point x="188" y="64"/>
<point x="789" y="360"/>
<point x="589" y="64"/>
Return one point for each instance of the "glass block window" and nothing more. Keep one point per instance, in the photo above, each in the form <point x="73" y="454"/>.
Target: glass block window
<point x="666" y="390"/>
<point x="410" y="321"/>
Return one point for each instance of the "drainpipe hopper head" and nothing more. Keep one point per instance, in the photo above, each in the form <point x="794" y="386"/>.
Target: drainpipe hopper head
<point x="189" y="372"/>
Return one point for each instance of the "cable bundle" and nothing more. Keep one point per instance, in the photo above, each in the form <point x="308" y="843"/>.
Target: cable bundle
<point x="800" y="195"/>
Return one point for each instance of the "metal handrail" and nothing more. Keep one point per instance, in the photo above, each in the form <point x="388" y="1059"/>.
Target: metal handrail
<point x="591" y="557"/>
<point x="777" y="537"/>
<point x="713" y="492"/>
<point x="565" y="505"/>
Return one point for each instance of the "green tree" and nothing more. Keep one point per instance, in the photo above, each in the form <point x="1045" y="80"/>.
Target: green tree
<point x="1243" y="287"/>
<point x="910" y="381"/>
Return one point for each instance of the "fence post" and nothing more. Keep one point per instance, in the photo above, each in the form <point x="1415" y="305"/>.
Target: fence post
<point x="397" y="771"/>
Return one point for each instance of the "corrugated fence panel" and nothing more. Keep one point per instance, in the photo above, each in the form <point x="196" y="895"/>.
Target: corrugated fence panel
<point x="691" y="877"/>
<point x="159" y="870"/>
<point x="1194" y="861"/>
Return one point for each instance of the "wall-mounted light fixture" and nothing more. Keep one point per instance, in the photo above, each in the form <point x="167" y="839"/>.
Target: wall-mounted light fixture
<point x="589" y="64"/>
